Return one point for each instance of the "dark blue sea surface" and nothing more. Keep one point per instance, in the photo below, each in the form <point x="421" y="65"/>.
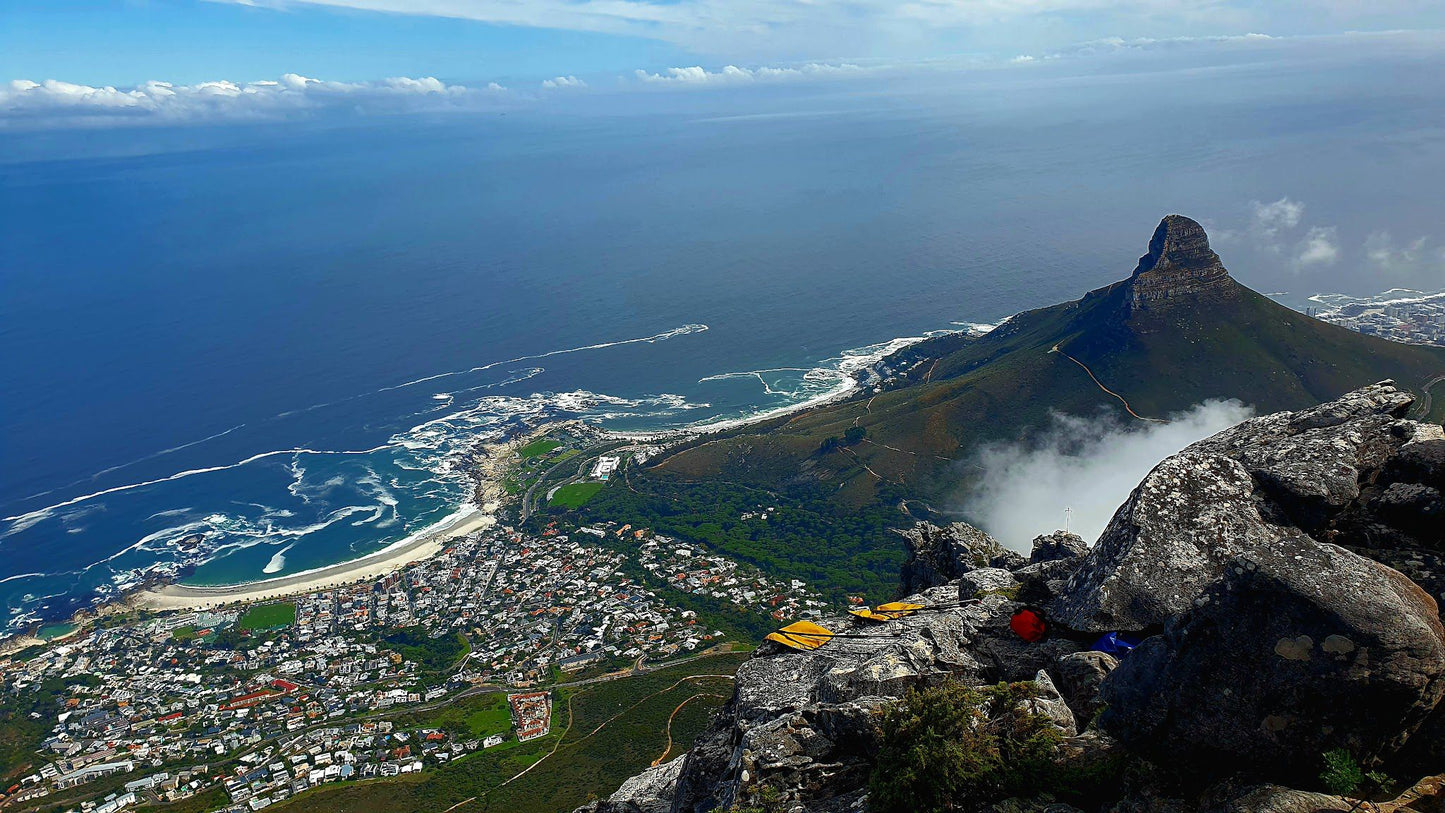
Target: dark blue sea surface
<point x="260" y="350"/>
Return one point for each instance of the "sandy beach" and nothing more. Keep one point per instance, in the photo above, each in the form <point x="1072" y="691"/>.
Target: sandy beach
<point x="392" y="558"/>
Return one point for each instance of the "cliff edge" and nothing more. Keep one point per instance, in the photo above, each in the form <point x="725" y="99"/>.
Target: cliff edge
<point x="1284" y="577"/>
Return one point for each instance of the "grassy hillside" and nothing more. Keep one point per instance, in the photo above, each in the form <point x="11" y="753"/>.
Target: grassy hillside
<point x="961" y="392"/>
<point x="602" y="734"/>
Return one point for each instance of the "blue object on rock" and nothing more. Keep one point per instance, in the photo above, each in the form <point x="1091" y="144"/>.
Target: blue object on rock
<point x="1115" y="643"/>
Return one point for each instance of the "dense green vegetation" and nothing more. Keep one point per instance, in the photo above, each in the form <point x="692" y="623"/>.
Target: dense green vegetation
<point x="809" y="537"/>
<point x="268" y="616"/>
<point x="470" y="717"/>
<point x="22" y="731"/>
<point x="430" y="654"/>
<point x="953" y="743"/>
<point x="616" y="730"/>
<point x="574" y="495"/>
<point x="538" y="447"/>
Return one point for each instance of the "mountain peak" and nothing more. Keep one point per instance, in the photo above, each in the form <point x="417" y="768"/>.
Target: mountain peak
<point x="1179" y="267"/>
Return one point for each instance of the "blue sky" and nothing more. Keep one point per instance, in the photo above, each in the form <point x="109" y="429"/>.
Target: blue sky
<point x="84" y="62"/>
<point x="128" y="42"/>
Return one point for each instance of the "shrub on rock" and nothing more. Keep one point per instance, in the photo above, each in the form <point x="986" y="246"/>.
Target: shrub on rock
<point x="956" y="748"/>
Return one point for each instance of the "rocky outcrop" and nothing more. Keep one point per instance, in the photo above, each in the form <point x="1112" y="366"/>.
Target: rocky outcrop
<point x="1317" y="475"/>
<point x="1257" y="563"/>
<point x="1058" y="545"/>
<point x="939" y="555"/>
<point x="1179" y="271"/>
<point x="800" y="723"/>
<point x="1297" y="651"/>
<point x="1080" y="675"/>
<point x="649" y="792"/>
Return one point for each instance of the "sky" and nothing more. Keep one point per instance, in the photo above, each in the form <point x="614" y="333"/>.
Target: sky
<point x="80" y="48"/>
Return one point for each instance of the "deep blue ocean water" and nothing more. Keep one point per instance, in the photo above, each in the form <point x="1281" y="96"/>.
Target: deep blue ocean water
<point x="278" y="336"/>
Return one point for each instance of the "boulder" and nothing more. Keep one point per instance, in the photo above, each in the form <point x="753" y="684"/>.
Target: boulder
<point x="648" y="792"/>
<point x="1058" y="545"/>
<point x="1425" y="796"/>
<point x="1297" y="651"/>
<point x="939" y="555"/>
<point x="1080" y="674"/>
<point x="987" y="581"/>
<point x="1278" y="799"/>
<point x="1049" y="703"/>
<point x="1351" y="472"/>
<point x="1044" y="582"/>
<point x="1168" y="543"/>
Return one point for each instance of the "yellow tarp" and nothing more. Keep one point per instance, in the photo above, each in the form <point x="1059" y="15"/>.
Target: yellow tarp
<point x="804" y="636"/>
<point x="888" y="612"/>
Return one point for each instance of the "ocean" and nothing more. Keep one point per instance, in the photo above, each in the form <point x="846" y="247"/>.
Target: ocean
<point x="248" y="351"/>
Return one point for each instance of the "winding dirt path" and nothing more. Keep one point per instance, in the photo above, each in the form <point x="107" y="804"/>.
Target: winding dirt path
<point x="1101" y="386"/>
<point x="668" y="749"/>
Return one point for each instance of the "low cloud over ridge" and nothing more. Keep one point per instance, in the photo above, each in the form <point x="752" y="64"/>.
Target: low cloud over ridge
<point x="1089" y="465"/>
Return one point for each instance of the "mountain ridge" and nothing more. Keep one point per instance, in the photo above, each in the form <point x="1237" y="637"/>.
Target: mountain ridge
<point x="1178" y="331"/>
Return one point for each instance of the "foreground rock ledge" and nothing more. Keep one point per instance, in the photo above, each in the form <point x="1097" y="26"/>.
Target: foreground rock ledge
<point x="1257" y="562"/>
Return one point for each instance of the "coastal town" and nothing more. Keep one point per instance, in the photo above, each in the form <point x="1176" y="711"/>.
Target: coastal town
<point x="1411" y="317"/>
<point x="264" y="700"/>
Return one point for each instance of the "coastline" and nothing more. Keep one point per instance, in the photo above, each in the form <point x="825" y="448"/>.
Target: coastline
<point x="489" y="463"/>
<point x="421" y="546"/>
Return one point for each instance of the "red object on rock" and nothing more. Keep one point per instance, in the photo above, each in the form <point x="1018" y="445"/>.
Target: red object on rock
<point x="1029" y="625"/>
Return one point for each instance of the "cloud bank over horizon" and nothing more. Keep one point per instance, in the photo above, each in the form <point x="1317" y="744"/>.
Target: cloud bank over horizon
<point x="1088" y="465"/>
<point x="57" y="103"/>
<point x="52" y="102"/>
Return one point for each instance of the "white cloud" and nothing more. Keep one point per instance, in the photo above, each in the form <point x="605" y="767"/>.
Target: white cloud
<point x="1086" y="465"/>
<point x="1412" y="258"/>
<point x="53" y="102"/>
<point x="1319" y="247"/>
<point x="732" y="74"/>
<point x="568" y="81"/>
<point x="808" y="29"/>
<point x="1271" y="218"/>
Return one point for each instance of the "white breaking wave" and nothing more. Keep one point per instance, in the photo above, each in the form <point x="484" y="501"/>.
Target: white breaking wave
<point x="278" y="561"/>
<point x="25" y="520"/>
<point x="19" y="576"/>
<point x="685" y="330"/>
<point x="836" y="378"/>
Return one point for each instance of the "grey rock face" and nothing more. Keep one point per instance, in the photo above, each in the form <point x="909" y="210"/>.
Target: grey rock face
<point x="801" y="723"/>
<point x="1179" y="269"/>
<point x="1051" y="704"/>
<point x="1166" y="544"/>
<point x="648" y="792"/>
<point x="1046" y="581"/>
<point x="1080" y="674"/>
<point x="1334" y="473"/>
<point x="1297" y="651"/>
<point x="1255" y="558"/>
<point x="986" y="581"/>
<point x="939" y="555"/>
<point x="1058" y="545"/>
<point x="1276" y="799"/>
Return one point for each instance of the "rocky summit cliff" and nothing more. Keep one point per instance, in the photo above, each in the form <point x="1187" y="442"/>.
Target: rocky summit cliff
<point x="1178" y="271"/>
<point x="1284" y="577"/>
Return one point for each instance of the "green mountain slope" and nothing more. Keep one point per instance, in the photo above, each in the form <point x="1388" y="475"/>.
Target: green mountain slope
<point x="1177" y="332"/>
